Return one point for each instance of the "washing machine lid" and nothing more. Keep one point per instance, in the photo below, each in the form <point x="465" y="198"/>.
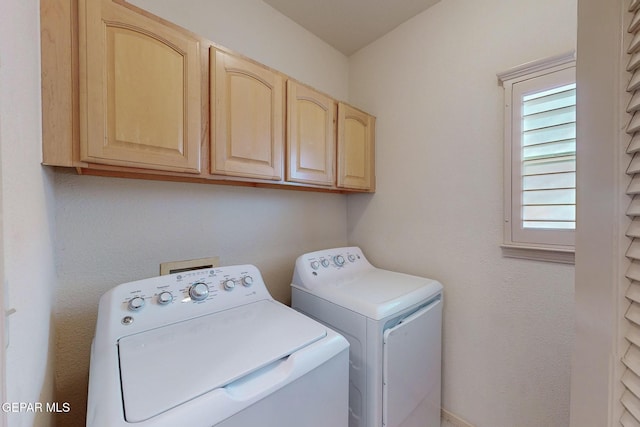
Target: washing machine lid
<point x="378" y="293"/>
<point x="166" y="367"/>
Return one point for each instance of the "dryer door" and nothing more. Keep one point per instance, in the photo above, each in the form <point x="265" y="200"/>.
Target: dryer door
<point x="411" y="369"/>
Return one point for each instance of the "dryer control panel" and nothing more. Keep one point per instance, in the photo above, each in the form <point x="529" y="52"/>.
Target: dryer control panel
<point x="330" y="266"/>
<point x="158" y="301"/>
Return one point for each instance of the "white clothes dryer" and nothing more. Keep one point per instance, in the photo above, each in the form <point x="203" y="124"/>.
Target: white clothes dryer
<point x="210" y="348"/>
<point x="393" y="323"/>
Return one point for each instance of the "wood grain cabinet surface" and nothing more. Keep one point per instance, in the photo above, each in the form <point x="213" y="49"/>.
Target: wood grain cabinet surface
<point x="311" y="135"/>
<point x="128" y="94"/>
<point x="139" y="90"/>
<point x="247" y="116"/>
<point x="356" y="142"/>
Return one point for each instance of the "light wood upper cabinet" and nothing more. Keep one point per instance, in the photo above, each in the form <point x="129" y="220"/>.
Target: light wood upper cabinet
<point x="356" y="142"/>
<point x="311" y="135"/>
<point x="140" y="90"/>
<point x="124" y="93"/>
<point x="247" y="118"/>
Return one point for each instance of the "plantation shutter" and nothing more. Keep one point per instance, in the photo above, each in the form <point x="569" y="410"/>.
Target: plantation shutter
<point x="631" y="359"/>
<point x="549" y="158"/>
<point x="540" y="159"/>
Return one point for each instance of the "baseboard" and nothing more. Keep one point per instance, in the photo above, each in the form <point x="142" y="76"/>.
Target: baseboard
<point x="453" y="419"/>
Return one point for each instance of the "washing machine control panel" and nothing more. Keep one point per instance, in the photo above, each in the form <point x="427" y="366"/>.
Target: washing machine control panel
<point x="330" y="265"/>
<point x="172" y="298"/>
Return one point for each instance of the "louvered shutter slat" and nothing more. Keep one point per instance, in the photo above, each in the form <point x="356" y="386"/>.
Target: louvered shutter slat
<point x="634" y="123"/>
<point x="627" y="420"/>
<point x="633" y="251"/>
<point x="631" y="404"/>
<point x="635" y="23"/>
<point x="634" y="83"/>
<point x="634" y="210"/>
<point x="633" y="292"/>
<point x="633" y="272"/>
<point x="633" y="315"/>
<point x="634" y="165"/>
<point x="634" y="144"/>
<point x="633" y="334"/>
<point x="634" y="46"/>
<point x="634" y="103"/>
<point x="634" y="185"/>
<point x="634" y="62"/>
<point x="632" y="382"/>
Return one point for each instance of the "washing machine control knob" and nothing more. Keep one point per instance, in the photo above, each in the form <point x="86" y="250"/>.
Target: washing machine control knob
<point x="324" y="262"/>
<point x="136" y="303"/>
<point x="247" y="281"/>
<point x="165" y="297"/>
<point x="315" y="265"/>
<point x="229" y="284"/>
<point x="199" y="291"/>
<point x="351" y="258"/>
<point x="338" y="260"/>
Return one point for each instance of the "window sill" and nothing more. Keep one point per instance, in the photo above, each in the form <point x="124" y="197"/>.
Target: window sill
<point x="538" y="253"/>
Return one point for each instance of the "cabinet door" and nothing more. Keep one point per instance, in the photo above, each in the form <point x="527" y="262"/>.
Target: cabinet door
<point x="247" y="117"/>
<point x="140" y="101"/>
<point x="311" y="136"/>
<point x="355" y="148"/>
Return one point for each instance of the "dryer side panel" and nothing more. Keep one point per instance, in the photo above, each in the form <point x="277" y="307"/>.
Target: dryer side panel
<point x="353" y="327"/>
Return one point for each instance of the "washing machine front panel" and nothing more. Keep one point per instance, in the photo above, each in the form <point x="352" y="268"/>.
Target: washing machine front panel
<point x="310" y="401"/>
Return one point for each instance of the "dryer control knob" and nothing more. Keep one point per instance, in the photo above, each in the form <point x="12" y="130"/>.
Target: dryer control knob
<point x="325" y="262"/>
<point x="165" y="298"/>
<point x="199" y="291"/>
<point x="352" y="258"/>
<point x="229" y="285"/>
<point x="338" y="260"/>
<point x="136" y="303"/>
<point x="315" y="265"/>
<point x="247" y="281"/>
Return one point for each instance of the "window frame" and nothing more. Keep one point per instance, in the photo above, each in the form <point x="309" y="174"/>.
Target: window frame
<point x="518" y="242"/>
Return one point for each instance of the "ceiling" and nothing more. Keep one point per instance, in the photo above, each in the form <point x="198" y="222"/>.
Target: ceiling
<point x="349" y="25"/>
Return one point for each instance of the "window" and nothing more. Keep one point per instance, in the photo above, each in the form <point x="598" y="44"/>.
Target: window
<point x="540" y="159"/>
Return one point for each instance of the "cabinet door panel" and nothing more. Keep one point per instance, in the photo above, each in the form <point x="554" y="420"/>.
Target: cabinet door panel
<point x="311" y="117"/>
<point x="142" y="65"/>
<point x="248" y="118"/>
<point x="140" y="91"/>
<point x="249" y="124"/>
<point x="355" y="149"/>
<point x="355" y="132"/>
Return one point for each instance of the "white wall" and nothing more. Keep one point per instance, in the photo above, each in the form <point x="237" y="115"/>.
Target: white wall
<point x="600" y="283"/>
<point x="114" y="230"/>
<point x="255" y="29"/>
<point x="508" y="324"/>
<point x="27" y="214"/>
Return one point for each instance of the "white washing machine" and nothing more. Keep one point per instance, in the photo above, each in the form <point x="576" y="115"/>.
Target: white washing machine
<point x="210" y="348"/>
<point x="393" y="323"/>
